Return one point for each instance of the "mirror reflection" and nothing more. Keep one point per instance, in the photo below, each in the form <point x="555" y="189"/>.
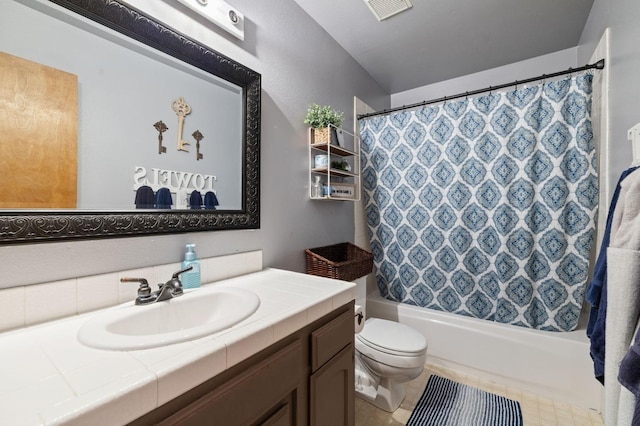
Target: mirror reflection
<point x="152" y="132"/>
<point x="155" y="110"/>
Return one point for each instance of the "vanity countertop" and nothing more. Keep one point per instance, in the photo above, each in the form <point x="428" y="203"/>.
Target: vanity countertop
<point x="48" y="377"/>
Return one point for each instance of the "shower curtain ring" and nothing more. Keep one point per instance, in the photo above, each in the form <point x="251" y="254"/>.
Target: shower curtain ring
<point x="516" y="83"/>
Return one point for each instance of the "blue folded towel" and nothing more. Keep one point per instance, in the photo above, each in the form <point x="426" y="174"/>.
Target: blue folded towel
<point x="210" y="201"/>
<point x="144" y="198"/>
<point x="195" y="200"/>
<point x="629" y="375"/>
<point x="163" y="199"/>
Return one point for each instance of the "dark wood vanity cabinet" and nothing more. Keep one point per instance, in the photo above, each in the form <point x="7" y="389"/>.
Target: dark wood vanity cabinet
<point x="332" y="387"/>
<point x="305" y="378"/>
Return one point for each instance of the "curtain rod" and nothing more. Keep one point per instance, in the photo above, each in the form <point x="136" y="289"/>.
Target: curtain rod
<point x="598" y="65"/>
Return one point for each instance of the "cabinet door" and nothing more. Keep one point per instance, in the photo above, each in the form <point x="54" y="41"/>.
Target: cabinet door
<point x="332" y="391"/>
<point x="282" y="417"/>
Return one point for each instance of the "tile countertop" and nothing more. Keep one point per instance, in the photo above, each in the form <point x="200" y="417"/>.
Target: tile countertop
<point x="48" y="377"/>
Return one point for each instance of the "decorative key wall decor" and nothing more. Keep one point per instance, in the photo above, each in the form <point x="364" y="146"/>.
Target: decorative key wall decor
<point x="181" y="109"/>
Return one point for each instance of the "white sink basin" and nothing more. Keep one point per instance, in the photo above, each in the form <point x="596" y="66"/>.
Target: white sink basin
<point x="190" y="316"/>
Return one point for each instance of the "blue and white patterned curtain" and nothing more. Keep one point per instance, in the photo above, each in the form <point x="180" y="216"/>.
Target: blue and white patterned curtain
<point x="486" y="206"/>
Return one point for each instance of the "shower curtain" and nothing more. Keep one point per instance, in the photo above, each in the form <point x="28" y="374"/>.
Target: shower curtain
<point x="485" y="206"/>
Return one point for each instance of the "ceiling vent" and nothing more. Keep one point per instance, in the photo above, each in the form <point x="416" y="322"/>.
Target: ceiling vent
<point x="384" y="9"/>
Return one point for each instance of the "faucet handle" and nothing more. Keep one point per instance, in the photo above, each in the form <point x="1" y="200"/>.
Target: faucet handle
<point x="175" y="281"/>
<point x="175" y="275"/>
<point x="175" y="284"/>
<point x="144" y="290"/>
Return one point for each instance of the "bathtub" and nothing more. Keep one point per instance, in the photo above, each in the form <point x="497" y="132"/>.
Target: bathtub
<point x="549" y="364"/>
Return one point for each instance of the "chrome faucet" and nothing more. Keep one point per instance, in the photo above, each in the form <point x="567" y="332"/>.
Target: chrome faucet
<point x="168" y="290"/>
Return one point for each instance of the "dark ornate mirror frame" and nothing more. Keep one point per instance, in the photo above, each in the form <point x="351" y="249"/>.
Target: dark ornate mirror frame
<point x="34" y="226"/>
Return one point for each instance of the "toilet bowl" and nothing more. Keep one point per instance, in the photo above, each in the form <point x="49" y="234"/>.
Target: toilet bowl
<point x="388" y="355"/>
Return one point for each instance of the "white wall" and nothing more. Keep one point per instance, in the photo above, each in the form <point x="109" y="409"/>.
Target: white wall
<point x="300" y="64"/>
<point x="622" y="17"/>
<point x="546" y="64"/>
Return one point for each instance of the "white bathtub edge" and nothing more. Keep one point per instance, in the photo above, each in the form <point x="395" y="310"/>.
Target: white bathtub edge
<point x="552" y="365"/>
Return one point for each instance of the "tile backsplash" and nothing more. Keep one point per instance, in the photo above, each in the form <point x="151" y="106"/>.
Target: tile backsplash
<point x="33" y="304"/>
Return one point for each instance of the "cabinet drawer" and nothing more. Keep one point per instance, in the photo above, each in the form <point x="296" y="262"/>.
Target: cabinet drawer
<point x="268" y="387"/>
<point x="329" y="339"/>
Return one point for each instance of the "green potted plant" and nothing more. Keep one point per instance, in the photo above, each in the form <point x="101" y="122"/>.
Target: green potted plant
<point x="320" y="118"/>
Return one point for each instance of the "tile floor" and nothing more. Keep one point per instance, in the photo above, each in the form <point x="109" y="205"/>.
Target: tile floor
<point x="536" y="410"/>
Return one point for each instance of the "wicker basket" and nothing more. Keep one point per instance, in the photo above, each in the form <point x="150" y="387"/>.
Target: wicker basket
<point x="343" y="261"/>
<point x="321" y="135"/>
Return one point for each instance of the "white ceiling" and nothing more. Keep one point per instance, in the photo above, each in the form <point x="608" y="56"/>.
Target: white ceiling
<point x="437" y="40"/>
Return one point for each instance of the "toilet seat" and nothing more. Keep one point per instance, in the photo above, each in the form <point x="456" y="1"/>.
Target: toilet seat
<point x="391" y="343"/>
<point x="392" y="337"/>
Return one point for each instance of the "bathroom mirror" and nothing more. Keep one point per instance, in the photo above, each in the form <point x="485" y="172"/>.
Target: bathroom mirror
<point x="196" y="62"/>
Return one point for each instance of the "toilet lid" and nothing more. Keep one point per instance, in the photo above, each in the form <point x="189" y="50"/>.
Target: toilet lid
<point x="392" y="337"/>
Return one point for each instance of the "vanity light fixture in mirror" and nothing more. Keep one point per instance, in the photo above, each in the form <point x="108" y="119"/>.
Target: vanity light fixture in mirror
<point x="44" y="225"/>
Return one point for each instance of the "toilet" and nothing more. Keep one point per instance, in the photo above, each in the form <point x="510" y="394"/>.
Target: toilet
<point x="388" y="355"/>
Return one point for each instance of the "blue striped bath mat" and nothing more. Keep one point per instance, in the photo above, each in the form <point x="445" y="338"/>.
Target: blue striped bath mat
<point x="447" y="403"/>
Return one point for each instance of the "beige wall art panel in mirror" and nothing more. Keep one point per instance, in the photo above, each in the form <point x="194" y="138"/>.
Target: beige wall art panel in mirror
<point x="39" y="108"/>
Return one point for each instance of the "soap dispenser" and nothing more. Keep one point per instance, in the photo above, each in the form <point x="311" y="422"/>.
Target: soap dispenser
<point x="190" y="279"/>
